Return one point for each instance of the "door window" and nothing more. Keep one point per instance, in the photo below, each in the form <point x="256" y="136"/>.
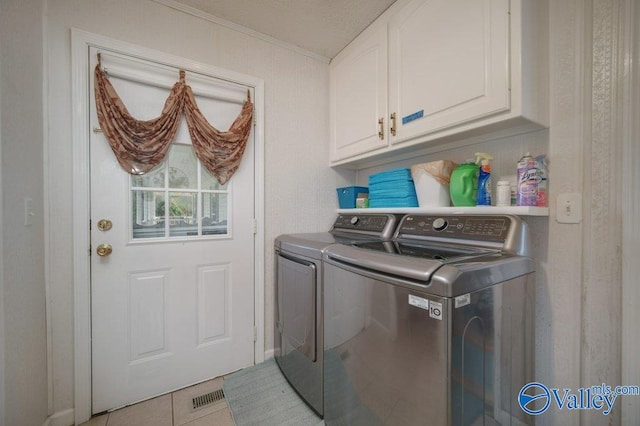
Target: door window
<point x="179" y="199"/>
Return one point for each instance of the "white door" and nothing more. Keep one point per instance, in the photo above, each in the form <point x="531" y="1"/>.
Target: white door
<point x="172" y="305"/>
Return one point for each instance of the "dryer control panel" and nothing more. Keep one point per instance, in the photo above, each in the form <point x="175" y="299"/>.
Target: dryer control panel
<point x="382" y="225"/>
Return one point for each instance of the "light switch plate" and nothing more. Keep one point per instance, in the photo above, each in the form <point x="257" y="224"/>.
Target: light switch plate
<point x="569" y="208"/>
<point x="28" y="211"/>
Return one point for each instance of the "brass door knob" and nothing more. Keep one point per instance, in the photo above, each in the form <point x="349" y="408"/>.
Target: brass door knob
<point x="104" y="224"/>
<point x="104" y="249"/>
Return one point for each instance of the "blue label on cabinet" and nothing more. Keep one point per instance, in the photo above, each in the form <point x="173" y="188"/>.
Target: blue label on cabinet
<point x="411" y="117"/>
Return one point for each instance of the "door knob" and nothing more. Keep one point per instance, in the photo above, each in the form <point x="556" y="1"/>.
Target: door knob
<point x="104" y="249"/>
<point x="104" y="224"/>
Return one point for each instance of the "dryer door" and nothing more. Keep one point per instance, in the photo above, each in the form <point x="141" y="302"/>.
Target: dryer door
<point x="296" y="335"/>
<point x="296" y="310"/>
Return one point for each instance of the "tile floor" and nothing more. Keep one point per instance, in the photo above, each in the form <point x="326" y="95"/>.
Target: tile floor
<point x="172" y="409"/>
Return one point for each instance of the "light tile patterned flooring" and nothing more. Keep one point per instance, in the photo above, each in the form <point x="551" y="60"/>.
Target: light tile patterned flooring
<point x="172" y="409"/>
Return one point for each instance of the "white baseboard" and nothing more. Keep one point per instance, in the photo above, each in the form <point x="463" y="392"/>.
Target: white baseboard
<point x="268" y="354"/>
<point x="61" y="418"/>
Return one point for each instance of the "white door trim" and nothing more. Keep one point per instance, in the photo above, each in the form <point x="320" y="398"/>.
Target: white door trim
<point x="630" y="55"/>
<point x="80" y="42"/>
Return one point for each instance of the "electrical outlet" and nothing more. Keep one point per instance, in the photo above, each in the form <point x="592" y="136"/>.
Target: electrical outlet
<point x="569" y="208"/>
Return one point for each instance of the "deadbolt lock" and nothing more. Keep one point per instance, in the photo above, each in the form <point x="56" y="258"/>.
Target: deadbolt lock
<point x="104" y="224"/>
<point x="104" y="250"/>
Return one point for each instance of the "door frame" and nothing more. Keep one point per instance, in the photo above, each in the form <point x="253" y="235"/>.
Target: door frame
<point x="80" y="43"/>
<point x="629" y="55"/>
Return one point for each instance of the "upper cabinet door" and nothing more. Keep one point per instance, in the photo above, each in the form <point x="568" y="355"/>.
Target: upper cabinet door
<point x="358" y="95"/>
<point x="448" y="65"/>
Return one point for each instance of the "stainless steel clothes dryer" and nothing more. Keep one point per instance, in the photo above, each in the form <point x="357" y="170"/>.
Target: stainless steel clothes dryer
<point x="437" y="332"/>
<point x="298" y="336"/>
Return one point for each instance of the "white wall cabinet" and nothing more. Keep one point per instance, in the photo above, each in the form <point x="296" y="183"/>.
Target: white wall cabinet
<point x="358" y="95"/>
<point x="447" y="64"/>
<point x="456" y="69"/>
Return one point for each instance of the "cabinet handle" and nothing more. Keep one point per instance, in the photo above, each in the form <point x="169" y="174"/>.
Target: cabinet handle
<point x="381" y="128"/>
<point x="393" y="124"/>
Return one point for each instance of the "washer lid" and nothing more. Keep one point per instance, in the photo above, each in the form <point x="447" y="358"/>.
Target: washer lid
<point x="379" y="262"/>
<point x="457" y="272"/>
<point x="445" y="253"/>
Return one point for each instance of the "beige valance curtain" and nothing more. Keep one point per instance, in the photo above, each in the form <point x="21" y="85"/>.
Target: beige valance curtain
<point x="141" y="145"/>
<point x="219" y="152"/>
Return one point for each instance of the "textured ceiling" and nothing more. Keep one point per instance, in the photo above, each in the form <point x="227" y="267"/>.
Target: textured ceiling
<point x="321" y="26"/>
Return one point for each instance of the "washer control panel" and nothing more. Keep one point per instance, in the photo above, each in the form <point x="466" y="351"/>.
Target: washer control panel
<point x="477" y="228"/>
<point x="439" y="224"/>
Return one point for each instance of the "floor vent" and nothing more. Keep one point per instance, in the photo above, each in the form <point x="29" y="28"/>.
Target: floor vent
<point x="207" y="399"/>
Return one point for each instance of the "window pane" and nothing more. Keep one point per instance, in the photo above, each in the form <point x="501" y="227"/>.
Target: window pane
<point x="183" y="171"/>
<point x="209" y="182"/>
<point x="175" y="206"/>
<point x="148" y="214"/>
<point x="183" y="210"/>
<point x="152" y="179"/>
<point x="214" y="214"/>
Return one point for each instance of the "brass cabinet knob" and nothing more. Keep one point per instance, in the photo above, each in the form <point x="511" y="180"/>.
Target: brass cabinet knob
<point x="104" y="249"/>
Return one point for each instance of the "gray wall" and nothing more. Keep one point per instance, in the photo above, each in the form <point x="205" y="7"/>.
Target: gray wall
<point x="23" y="255"/>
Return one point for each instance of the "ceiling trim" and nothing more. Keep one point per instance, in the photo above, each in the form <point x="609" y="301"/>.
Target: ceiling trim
<point x="228" y="24"/>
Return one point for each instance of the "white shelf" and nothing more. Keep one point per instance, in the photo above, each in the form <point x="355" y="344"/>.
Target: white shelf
<point x="512" y="210"/>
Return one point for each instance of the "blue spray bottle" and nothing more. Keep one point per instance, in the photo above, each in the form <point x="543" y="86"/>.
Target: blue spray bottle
<point x="484" y="178"/>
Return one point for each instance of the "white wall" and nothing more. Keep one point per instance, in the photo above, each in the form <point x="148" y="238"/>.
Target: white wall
<point x="2" y="361"/>
<point x="23" y="334"/>
<point x="602" y="260"/>
<point x="631" y="206"/>
<point x="299" y="187"/>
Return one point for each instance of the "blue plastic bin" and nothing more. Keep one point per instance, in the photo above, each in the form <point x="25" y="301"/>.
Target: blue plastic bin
<point x="347" y="196"/>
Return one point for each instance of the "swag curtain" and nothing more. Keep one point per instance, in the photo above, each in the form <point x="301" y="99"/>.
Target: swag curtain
<point x="219" y="152"/>
<point x="140" y="145"/>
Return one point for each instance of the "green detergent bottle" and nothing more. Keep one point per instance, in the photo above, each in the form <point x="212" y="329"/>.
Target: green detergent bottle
<point x="464" y="184"/>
